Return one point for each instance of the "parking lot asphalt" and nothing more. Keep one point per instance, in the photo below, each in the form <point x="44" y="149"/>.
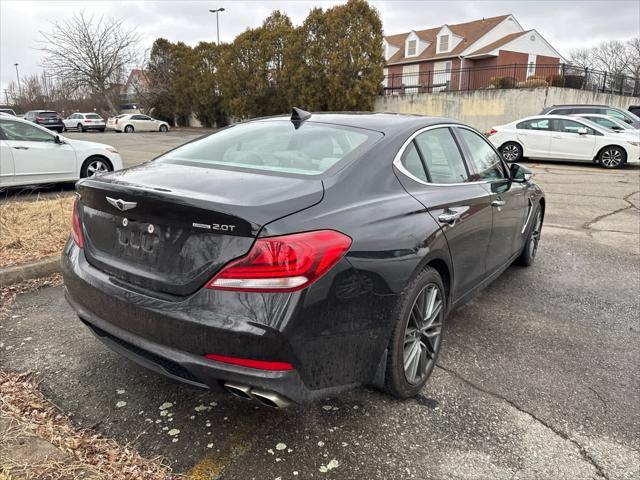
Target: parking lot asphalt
<point x="140" y="147"/>
<point x="538" y="376"/>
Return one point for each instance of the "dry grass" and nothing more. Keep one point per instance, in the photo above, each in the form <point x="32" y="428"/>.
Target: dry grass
<point x="34" y="228"/>
<point x="91" y="455"/>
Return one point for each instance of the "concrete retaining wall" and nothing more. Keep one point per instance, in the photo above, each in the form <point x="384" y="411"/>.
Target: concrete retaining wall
<point x="486" y="108"/>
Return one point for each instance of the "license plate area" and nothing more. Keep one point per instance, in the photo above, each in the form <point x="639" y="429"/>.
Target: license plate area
<point x="139" y="240"/>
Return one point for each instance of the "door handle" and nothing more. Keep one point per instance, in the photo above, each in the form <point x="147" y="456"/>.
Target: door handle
<point x="556" y="136"/>
<point x="449" y="217"/>
<point x="498" y="203"/>
<point x="21" y="148"/>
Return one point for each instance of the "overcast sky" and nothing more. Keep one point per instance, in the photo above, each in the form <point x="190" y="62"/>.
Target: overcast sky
<point x="565" y="24"/>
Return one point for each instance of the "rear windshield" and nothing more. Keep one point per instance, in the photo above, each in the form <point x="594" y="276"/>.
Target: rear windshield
<point x="47" y="114"/>
<point x="92" y="115"/>
<point x="276" y="146"/>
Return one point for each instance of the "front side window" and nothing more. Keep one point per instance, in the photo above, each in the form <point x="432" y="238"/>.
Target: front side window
<point x="24" y="132"/>
<point x="484" y="158"/>
<point x="569" y="126"/>
<point x="442" y="156"/>
<point x="276" y="146"/>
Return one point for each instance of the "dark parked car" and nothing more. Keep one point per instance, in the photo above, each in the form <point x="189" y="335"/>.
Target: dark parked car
<point x="291" y="259"/>
<point x="635" y="109"/>
<point x="46" y="118"/>
<point x="616" y="112"/>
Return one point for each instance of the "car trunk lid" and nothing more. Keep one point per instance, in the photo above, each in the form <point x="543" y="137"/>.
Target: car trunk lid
<point x="169" y="228"/>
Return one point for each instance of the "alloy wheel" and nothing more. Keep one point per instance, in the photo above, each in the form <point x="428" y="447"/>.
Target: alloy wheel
<point x="510" y="152"/>
<point x="423" y="333"/>
<point x="611" y="158"/>
<point x="534" y="238"/>
<point x="97" y="167"/>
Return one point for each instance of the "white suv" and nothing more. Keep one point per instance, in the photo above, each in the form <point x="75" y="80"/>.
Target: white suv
<point x="84" y="121"/>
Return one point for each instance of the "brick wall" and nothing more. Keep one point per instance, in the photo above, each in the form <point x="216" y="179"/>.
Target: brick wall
<point x="506" y="58"/>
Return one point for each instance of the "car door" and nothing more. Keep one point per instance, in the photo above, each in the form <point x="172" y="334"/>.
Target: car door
<point x="508" y="199"/>
<point x="441" y="182"/>
<point x="37" y="157"/>
<point x="535" y="136"/>
<point x="567" y="143"/>
<point x="6" y="163"/>
<point x="148" y="123"/>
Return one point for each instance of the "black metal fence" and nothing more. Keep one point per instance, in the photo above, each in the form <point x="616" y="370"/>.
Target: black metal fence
<point x="510" y="76"/>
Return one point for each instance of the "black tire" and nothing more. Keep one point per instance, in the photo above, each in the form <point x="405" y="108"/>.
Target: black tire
<point x="85" y="170"/>
<point x="511" y="152"/>
<point x="163" y="129"/>
<point x="530" y="248"/>
<point x="129" y="129"/>
<point x="396" y="381"/>
<point x="612" y="157"/>
<point x="80" y="127"/>
<point x="64" y="129"/>
<point x="101" y="129"/>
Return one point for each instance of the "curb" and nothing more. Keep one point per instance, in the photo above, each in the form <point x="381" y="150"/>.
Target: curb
<point x="40" y="268"/>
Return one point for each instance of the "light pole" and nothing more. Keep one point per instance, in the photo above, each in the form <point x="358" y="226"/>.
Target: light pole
<point x="18" y="76"/>
<point x="216" y="11"/>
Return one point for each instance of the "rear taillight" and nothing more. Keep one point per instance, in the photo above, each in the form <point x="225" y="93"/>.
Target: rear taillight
<point x="88" y="121"/>
<point x="491" y="132"/>
<point x="76" y="228"/>
<point x="283" y="264"/>
<point x="116" y="121"/>
<point x="39" y="119"/>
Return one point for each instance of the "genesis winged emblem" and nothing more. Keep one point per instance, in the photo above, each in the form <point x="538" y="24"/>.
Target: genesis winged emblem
<point x="121" y="204"/>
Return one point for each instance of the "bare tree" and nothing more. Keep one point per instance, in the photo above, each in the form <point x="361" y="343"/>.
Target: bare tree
<point x="91" y="53"/>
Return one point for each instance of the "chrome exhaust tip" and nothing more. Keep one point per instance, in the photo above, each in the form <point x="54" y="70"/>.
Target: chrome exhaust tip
<point x="270" y="399"/>
<point x="238" y="390"/>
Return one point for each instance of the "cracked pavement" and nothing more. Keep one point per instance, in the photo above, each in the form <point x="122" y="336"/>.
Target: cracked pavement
<point x="537" y="379"/>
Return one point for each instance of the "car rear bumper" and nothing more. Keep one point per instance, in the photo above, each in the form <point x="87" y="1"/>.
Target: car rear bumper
<point x="172" y="336"/>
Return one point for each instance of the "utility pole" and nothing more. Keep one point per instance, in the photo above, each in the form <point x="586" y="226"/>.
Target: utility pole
<point x="18" y="77"/>
<point x="216" y="11"/>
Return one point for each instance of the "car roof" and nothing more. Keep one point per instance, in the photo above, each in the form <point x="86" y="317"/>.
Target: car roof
<point x="583" y="105"/>
<point x="381" y="122"/>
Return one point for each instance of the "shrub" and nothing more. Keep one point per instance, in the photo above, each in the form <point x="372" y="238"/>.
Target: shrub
<point x="533" y="82"/>
<point x="502" y="82"/>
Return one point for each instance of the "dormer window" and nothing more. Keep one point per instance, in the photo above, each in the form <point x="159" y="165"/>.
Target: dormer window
<point x="444" y="43"/>
<point x="412" y="48"/>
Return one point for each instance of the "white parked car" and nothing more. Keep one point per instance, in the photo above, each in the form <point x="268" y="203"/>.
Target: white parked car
<point x="84" y="121"/>
<point x="31" y="154"/>
<point x="565" y="138"/>
<point x="136" y="122"/>
<point x="609" y="122"/>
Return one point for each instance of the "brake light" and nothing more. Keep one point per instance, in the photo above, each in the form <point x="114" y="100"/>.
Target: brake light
<point x="283" y="264"/>
<point x="87" y="120"/>
<point x="76" y="228"/>
<point x="250" y="363"/>
<point x="491" y="132"/>
<point x="39" y="119"/>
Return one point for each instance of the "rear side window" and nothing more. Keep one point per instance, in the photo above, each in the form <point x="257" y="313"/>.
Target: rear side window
<point x="537" y="124"/>
<point x="485" y="160"/>
<point x="411" y="161"/>
<point x="93" y="115"/>
<point x="442" y="156"/>
<point x="276" y="146"/>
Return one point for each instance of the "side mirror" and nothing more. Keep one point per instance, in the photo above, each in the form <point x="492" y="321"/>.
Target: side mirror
<point x="617" y="128"/>
<point x="583" y="131"/>
<point x="520" y="174"/>
<point x="58" y="140"/>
